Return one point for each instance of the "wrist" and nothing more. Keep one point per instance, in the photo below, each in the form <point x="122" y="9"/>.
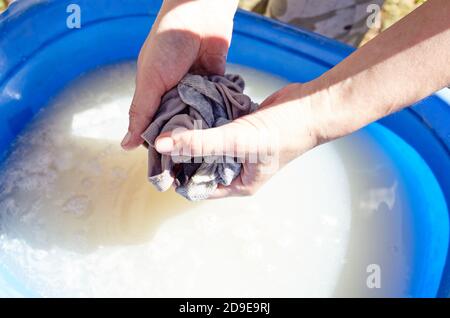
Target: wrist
<point x="319" y="110"/>
<point x="203" y="17"/>
<point x="337" y="109"/>
<point x="223" y="6"/>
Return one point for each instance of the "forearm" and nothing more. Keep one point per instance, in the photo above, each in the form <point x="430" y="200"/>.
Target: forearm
<point x="200" y="18"/>
<point x="191" y="8"/>
<point x="404" y="64"/>
<point x="222" y="4"/>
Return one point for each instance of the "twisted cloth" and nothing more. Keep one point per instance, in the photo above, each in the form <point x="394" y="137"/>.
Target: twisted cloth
<point x="197" y="102"/>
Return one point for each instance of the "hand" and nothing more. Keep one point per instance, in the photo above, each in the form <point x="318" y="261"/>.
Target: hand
<point x="283" y="128"/>
<point x="187" y="35"/>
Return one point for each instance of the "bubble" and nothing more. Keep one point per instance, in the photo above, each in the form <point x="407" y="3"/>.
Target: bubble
<point x="77" y="205"/>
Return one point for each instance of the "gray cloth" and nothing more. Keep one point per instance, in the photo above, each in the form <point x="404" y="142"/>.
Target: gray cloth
<point x="205" y="101"/>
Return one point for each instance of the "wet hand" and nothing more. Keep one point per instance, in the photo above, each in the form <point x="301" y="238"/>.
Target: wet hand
<point x="186" y="36"/>
<point x="284" y="127"/>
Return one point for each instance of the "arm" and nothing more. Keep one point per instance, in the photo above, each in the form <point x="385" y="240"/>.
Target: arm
<point x="404" y="64"/>
<point x="187" y="35"/>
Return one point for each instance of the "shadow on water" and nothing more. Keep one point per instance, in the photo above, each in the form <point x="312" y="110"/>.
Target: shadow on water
<point x="380" y="229"/>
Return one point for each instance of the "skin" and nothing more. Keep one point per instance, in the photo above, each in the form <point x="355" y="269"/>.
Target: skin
<point x="404" y="64"/>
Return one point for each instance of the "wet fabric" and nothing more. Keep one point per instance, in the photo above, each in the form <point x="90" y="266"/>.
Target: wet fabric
<point x="197" y="102"/>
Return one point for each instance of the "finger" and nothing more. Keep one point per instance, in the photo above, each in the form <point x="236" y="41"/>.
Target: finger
<point x="213" y="56"/>
<point x="246" y="184"/>
<point x="210" y="64"/>
<point x="237" y="139"/>
<point x="235" y="189"/>
<point x="226" y="191"/>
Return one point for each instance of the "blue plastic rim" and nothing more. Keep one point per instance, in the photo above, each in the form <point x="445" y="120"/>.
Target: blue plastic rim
<point x="40" y="55"/>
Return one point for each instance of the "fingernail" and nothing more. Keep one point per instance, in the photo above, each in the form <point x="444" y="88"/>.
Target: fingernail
<point x="164" y="144"/>
<point x="126" y="140"/>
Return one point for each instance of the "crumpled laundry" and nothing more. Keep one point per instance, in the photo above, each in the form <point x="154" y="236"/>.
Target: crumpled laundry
<point x="197" y="102"/>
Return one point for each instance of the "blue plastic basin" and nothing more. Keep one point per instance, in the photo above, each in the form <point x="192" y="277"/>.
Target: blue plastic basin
<point x="39" y="56"/>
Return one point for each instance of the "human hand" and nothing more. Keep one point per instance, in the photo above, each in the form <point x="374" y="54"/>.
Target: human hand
<point x="186" y="36"/>
<point x="284" y="127"/>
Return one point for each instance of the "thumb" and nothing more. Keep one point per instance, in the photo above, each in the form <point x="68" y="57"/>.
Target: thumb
<point x="146" y="100"/>
<point x="239" y="139"/>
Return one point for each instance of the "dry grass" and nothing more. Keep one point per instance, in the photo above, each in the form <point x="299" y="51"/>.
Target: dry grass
<point x="3" y="5"/>
<point x="392" y="11"/>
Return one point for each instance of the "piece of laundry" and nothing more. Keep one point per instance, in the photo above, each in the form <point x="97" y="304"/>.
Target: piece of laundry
<point x="197" y="102"/>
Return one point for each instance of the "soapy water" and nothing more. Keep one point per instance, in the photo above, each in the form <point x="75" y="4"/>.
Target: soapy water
<point x="78" y="217"/>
